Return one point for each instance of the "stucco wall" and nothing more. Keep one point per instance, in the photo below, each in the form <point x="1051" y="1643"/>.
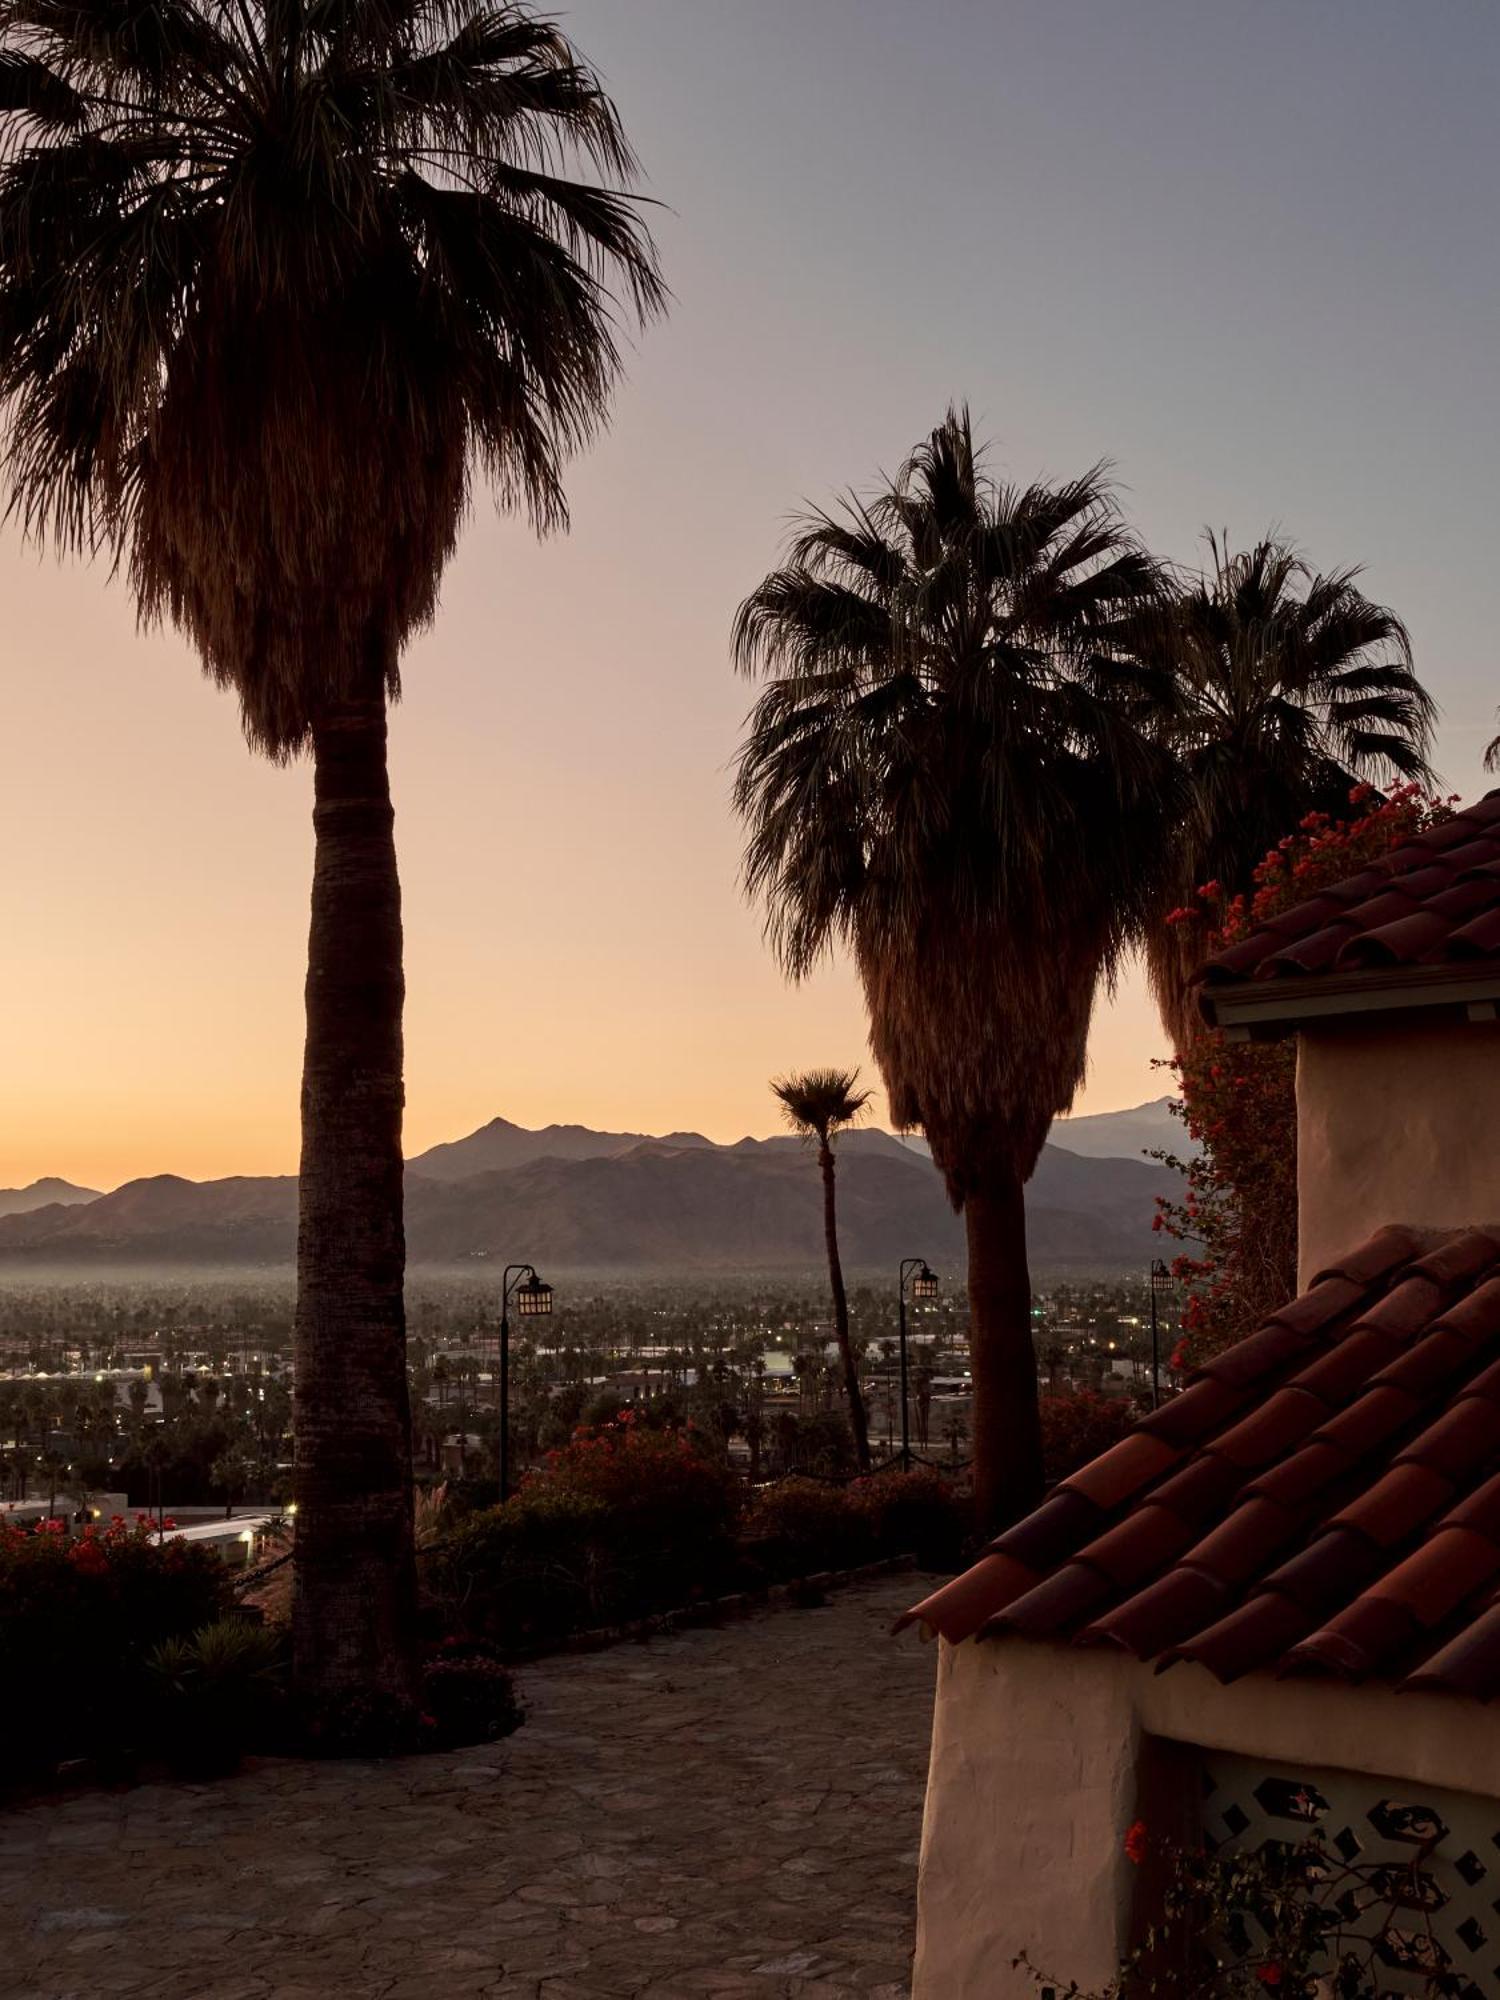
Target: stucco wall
<point x="1394" y="1124"/>
<point x="1032" y="1786"/>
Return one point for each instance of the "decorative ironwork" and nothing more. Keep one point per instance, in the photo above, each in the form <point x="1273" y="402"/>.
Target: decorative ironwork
<point x="1403" y="1870"/>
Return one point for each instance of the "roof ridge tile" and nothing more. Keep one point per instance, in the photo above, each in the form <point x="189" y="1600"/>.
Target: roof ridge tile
<point x="1389" y="1247"/>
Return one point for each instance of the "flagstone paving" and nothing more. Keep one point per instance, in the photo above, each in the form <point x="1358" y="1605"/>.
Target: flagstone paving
<point x="724" y="1812"/>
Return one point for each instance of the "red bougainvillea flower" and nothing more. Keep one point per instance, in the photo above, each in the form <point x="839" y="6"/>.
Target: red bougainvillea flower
<point x="1270" y="1973"/>
<point x="1135" y="1843"/>
<point x="1238" y="1207"/>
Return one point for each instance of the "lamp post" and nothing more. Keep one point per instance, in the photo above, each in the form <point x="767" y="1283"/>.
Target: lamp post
<point x="924" y="1285"/>
<point x="1161" y="1283"/>
<point x="533" y="1301"/>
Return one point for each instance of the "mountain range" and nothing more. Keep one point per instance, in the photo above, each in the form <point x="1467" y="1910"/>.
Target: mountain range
<point x="566" y="1196"/>
<point x="1143" y="1129"/>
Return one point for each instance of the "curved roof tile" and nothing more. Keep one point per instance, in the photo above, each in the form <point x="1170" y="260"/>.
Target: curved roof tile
<point x="1433" y="901"/>
<point x="1322" y="1498"/>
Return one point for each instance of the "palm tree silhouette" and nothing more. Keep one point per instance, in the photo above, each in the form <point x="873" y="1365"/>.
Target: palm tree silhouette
<point x="279" y="284"/>
<point x="821" y="1103"/>
<point x="956" y="768"/>
<point x="1291" y="687"/>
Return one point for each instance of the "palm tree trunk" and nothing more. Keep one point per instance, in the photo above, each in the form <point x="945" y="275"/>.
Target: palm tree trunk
<point x="353" y="1615"/>
<point x="1007" y="1436"/>
<point x="857" y="1420"/>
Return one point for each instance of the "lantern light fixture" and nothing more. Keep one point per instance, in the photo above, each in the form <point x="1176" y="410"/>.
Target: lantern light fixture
<point x="533" y="1298"/>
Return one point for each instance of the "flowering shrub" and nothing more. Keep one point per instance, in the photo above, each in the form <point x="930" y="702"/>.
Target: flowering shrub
<point x="802" y="1525"/>
<point x="916" y="1513"/>
<point x="669" y="1506"/>
<point x="1239" y="1101"/>
<point x="662" y="1481"/>
<point x="625" y="1520"/>
<point x="622" y="1521"/>
<point x="77" y="1620"/>
<point x="1280" y="1919"/>
<point x="1077" y="1426"/>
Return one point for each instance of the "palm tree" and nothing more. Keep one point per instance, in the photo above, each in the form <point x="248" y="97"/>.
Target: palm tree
<point x="950" y="770"/>
<point x="821" y="1103"/>
<point x="1292" y="688"/>
<point x="280" y="280"/>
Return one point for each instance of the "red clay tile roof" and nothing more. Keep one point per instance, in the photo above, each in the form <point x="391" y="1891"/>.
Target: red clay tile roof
<point x="1322" y="1498"/>
<point x="1435" y="901"/>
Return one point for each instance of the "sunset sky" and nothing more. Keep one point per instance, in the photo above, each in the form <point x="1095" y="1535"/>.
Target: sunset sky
<point x="1247" y="253"/>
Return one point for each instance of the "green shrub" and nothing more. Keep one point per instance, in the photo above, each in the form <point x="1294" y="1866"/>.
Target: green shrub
<point x="467" y="1696"/>
<point x="916" y="1513"/>
<point x="215" y="1694"/>
<point x="77" y="1621"/>
<point x="527" y="1573"/>
<point x="802" y="1525"/>
<point x="365" y="1723"/>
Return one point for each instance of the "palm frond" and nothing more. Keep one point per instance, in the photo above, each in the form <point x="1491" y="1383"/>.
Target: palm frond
<point x="279" y="284"/>
<point x="956" y="769"/>
<point x="1292" y="687"/>
<point x="820" y="1103"/>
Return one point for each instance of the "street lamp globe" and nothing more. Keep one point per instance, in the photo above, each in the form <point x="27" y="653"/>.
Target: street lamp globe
<point x="925" y="1284"/>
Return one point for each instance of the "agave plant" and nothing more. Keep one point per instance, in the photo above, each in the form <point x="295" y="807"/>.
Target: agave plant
<point x="212" y="1691"/>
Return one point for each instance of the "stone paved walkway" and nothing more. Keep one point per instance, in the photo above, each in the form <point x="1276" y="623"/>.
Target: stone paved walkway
<point x="722" y="1812"/>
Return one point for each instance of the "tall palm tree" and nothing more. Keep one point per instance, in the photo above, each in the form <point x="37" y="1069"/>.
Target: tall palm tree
<point x="280" y="280"/>
<point x="1292" y="688"/>
<point x="821" y="1103"/>
<point x="950" y="770"/>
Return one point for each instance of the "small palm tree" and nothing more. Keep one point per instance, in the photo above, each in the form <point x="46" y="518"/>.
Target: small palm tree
<point x="821" y="1103"/>
<point x="1292" y="687"/>
<point x="955" y="769"/>
<point x="280" y="282"/>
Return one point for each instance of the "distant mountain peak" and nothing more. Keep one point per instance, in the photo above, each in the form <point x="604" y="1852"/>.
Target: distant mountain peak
<point x="1141" y="1128"/>
<point x="48" y="1192"/>
<point x="500" y="1145"/>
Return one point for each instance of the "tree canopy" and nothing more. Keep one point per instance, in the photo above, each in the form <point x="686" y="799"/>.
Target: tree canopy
<point x="278" y="278"/>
